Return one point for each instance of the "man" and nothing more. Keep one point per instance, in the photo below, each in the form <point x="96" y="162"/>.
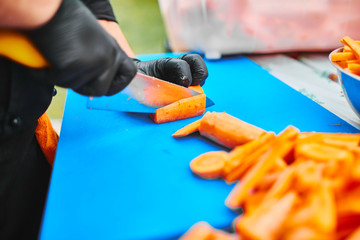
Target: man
<point x="92" y="59"/>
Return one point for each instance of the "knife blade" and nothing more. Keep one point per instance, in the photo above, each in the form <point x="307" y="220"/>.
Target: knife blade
<point x="143" y="94"/>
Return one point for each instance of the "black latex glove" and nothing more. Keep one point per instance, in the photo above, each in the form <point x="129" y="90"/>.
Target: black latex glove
<point x="81" y="54"/>
<point x="189" y="69"/>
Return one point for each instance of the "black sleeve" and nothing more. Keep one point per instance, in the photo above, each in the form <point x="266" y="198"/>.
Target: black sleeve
<point x="101" y="9"/>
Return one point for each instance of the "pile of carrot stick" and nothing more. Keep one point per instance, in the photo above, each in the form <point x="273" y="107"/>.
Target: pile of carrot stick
<point x="349" y="57"/>
<point x="292" y="185"/>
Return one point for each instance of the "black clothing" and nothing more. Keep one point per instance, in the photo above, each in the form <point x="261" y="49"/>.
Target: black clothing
<point x="24" y="171"/>
<point x="101" y="9"/>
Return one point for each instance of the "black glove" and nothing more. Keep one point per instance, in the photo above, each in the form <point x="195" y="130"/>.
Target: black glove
<point x="81" y="54"/>
<point x="189" y="69"/>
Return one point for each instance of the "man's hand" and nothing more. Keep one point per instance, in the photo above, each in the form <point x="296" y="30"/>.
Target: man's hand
<point x="189" y="69"/>
<point x="81" y="54"/>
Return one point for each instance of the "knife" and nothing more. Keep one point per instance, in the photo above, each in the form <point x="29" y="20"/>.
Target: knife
<point x="144" y="94"/>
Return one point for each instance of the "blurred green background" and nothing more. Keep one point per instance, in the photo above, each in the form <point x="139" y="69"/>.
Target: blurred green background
<point x="142" y="24"/>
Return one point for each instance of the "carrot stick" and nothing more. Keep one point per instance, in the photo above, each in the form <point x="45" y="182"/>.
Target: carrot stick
<point x="349" y="203"/>
<point x="188" y="129"/>
<point x="199" y="231"/>
<point x="354" y="67"/>
<point x="197" y="88"/>
<point x="257" y="172"/>
<point x="227" y="130"/>
<point x="342" y="56"/>
<point x="355" y="235"/>
<point x="290" y="133"/>
<point x="239" y="153"/>
<point x="210" y="164"/>
<point x="306" y="233"/>
<point x="268" y="181"/>
<point x="320" y="152"/>
<point x="352" y="45"/>
<point x="345" y="140"/>
<point x="182" y="109"/>
<point x="282" y="184"/>
<point x="266" y="222"/>
<point x="247" y="163"/>
<point x="325" y="209"/>
<point x="308" y="175"/>
<point x="347" y="49"/>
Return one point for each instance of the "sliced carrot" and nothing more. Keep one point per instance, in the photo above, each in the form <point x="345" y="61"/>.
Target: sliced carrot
<point x="247" y="163"/>
<point x="324" y="209"/>
<point x="321" y="152"/>
<point x="342" y="64"/>
<point x="227" y="130"/>
<point x="197" y="88"/>
<point x="282" y="185"/>
<point x="199" y="231"/>
<point x="354" y="67"/>
<point x="268" y="181"/>
<point x="266" y="223"/>
<point x="188" y="129"/>
<point x="308" y="175"/>
<point x="348" y="203"/>
<point x="182" y="109"/>
<point x="347" y="224"/>
<point x="210" y="164"/>
<point x="347" y="49"/>
<point x="238" y="194"/>
<point x="306" y="233"/>
<point x="253" y="202"/>
<point x="355" y="235"/>
<point x="221" y="235"/>
<point x="352" y="45"/>
<point x="238" y="154"/>
<point x="342" y="56"/>
<point x="342" y="140"/>
<point x="290" y="133"/>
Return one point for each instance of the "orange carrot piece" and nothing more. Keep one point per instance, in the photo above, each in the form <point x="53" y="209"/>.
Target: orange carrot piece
<point x="354" y="67"/>
<point x="197" y="88"/>
<point x="210" y="164"/>
<point x="342" y="56"/>
<point x="221" y="235"/>
<point x="266" y="223"/>
<point x="341" y="140"/>
<point x="324" y="209"/>
<point x="199" y="231"/>
<point x="239" y="153"/>
<point x="268" y="181"/>
<point x="188" y="129"/>
<point x="308" y="174"/>
<point x="352" y="45"/>
<point x="355" y="235"/>
<point x="342" y="64"/>
<point x="253" y="201"/>
<point x="282" y="184"/>
<point x="306" y="232"/>
<point x="182" y="109"/>
<point x="348" y="202"/>
<point x="347" y="49"/>
<point x="227" y="130"/>
<point x="290" y="133"/>
<point x="257" y="172"/>
<point x="247" y="163"/>
<point x="320" y="152"/>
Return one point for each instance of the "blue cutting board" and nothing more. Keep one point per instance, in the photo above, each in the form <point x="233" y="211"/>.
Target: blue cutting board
<point x="120" y="176"/>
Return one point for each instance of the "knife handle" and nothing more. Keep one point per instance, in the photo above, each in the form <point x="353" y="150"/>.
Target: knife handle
<point x="17" y="47"/>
